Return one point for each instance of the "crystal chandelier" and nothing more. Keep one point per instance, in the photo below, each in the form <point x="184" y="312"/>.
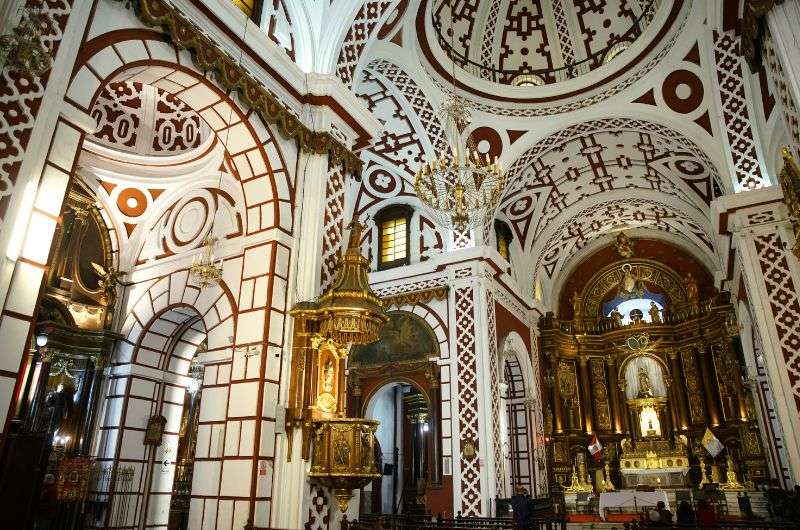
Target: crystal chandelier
<point x="24" y="50"/>
<point x="460" y="188"/>
<point x="206" y="270"/>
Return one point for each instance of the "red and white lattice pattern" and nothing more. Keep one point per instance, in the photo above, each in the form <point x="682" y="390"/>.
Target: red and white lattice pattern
<point x="20" y="102"/>
<point x="494" y="381"/>
<point x="392" y="290"/>
<point x="784" y="303"/>
<point x="489" y="35"/>
<point x="357" y="37"/>
<point x="146" y="120"/>
<point x="582" y="228"/>
<point x="739" y="130"/>
<point x="468" y="399"/>
<point x="791" y="117"/>
<point x="279" y="25"/>
<point x="599" y="156"/>
<point x="563" y="32"/>
<point x="333" y="224"/>
<point x="319" y="511"/>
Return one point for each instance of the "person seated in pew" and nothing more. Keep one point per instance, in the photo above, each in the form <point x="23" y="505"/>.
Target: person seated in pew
<point x="685" y="513"/>
<point x="706" y="517"/>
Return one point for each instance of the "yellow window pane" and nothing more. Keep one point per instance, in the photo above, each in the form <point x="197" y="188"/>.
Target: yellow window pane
<point x="393" y="240"/>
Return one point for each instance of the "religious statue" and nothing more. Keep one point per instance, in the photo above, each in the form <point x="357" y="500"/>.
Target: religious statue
<point x="624" y="246"/>
<point x="630" y="286"/>
<point x="645" y="388"/>
<point x="655" y="314"/>
<point x="341" y="451"/>
<point x="327" y="383"/>
<point x="608" y="485"/>
<point x="692" y="294"/>
<point x="616" y="318"/>
<point x="577" y="309"/>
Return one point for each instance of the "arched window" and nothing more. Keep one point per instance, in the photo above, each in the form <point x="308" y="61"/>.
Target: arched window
<point x="504" y="238"/>
<point x="394" y="224"/>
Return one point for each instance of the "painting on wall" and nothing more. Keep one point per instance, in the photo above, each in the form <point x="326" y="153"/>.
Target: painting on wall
<point x="405" y="338"/>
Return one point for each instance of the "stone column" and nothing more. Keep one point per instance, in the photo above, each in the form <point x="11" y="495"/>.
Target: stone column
<point x="763" y="237"/>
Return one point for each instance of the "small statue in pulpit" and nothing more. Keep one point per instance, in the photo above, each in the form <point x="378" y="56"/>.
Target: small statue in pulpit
<point x="655" y="314"/>
<point x="645" y="387"/>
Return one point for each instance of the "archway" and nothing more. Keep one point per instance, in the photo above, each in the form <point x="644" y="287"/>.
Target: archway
<point x="517" y="422"/>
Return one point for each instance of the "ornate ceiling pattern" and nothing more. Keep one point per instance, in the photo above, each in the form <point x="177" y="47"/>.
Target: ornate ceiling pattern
<point x="576" y="232"/>
<point x="592" y="158"/>
<point x="146" y="120"/>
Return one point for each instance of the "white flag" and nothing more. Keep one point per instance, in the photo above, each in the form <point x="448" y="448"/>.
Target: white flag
<point x="712" y="443"/>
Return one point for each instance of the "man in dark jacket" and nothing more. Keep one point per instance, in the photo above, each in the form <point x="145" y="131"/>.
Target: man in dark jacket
<point x="521" y="504"/>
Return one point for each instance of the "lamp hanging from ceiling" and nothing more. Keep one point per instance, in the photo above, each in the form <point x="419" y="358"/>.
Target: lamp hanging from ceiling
<point x="460" y="188"/>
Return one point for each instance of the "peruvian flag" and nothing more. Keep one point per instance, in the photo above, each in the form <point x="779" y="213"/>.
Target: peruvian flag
<point x="595" y="448"/>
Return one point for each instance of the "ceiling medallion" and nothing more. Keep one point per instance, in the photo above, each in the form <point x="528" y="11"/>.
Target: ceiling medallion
<point x="206" y="270"/>
<point x="24" y="50"/>
<point x="460" y="188"/>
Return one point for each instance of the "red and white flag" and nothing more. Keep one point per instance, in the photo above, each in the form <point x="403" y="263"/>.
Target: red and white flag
<point x="595" y="448"/>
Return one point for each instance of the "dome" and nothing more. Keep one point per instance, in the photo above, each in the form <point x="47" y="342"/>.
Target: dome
<point x="533" y="42"/>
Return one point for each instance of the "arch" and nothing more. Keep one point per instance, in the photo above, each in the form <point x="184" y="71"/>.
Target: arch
<point x="255" y="156"/>
<point x="518" y="424"/>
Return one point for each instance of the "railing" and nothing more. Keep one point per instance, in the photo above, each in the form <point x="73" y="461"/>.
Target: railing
<point x="400" y="522"/>
<point x="544" y="76"/>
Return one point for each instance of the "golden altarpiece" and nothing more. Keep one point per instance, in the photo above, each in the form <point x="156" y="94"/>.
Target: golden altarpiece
<point x="647" y="365"/>
<point x="348" y="314"/>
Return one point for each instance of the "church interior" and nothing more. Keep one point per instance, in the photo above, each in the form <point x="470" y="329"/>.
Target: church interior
<point x="399" y="264"/>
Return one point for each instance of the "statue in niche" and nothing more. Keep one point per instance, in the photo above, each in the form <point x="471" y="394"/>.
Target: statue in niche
<point x="630" y="286"/>
<point x="327" y="382"/>
<point x="692" y="293"/>
<point x="655" y="314"/>
<point x="624" y="246"/>
<point x="341" y="451"/>
<point x="645" y="387"/>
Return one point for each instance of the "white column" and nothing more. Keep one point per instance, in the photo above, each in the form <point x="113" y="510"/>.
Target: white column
<point x="782" y="22"/>
<point x="763" y="238"/>
<point x="291" y="496"/>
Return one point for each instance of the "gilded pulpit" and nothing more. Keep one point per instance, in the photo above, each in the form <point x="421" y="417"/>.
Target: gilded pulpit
<point x="347" y="314"/>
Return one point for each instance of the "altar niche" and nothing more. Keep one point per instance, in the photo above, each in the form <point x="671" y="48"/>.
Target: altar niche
<point x="646" y="359"/>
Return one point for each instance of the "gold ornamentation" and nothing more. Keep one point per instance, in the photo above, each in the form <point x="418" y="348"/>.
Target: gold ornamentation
<point x="209" y="56"/>
<point x="580" y="482"/>
<point x="789" y="178"/>
<point x="607" y="485"/>
<point x="624" y="246"/>
<point x="461" y="188"/>
<point x="732" y="483"/>
<point x="417" y="297"/>
<point x="694" y="392"/>
<point x="206" y="270"/>
<point x="600" y="391"/>
<point x="641" y="270"/>
<point x="24" y="50"/>
<point x="343" y="456"/>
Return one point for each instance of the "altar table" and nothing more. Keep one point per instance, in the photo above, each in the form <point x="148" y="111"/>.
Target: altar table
<point x="631" y="498"/>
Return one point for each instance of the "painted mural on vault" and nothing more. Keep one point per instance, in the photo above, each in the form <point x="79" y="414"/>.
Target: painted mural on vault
<point x="406" y="337"/>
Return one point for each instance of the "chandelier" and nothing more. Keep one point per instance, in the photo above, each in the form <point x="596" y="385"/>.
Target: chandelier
<point x="24" y="49"/>
<point x="206" y="270"/>
<point x="460" y="188"/>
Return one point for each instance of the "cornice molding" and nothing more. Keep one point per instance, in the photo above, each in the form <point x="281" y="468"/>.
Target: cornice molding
<point x="209" y="56"/>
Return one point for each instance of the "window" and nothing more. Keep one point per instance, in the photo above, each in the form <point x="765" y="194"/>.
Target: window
<point x="393" y="244"/>
<point x="504" y="238"/>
